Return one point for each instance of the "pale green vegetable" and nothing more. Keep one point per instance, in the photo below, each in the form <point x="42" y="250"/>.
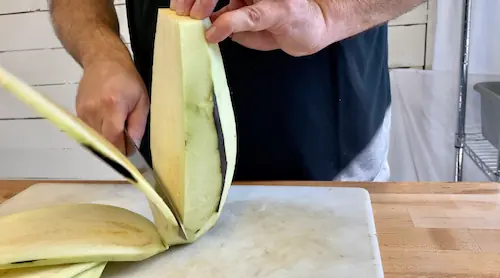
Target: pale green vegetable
<point x="76" y="233"/>
<point x="193" y="131"/>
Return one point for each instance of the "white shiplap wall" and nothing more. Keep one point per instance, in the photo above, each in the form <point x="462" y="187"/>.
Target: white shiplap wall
<point x="410" y="38"/>
<point x="33" y="148"/>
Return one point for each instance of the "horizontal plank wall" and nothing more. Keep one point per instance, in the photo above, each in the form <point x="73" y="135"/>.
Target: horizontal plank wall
<point x="32" y="148"/>
<point x="36" y="149"/>
<point x="408" y="38"/>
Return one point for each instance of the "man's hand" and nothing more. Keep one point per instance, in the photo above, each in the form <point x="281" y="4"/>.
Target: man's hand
<point x="298" y="27"/>
<point x="111" y="95"/>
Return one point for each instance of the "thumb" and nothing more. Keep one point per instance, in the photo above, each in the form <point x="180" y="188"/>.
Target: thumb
<point x="253" y="18"/>
<point x="136" y="121"/>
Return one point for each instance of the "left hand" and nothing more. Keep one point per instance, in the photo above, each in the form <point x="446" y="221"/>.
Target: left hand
<point x="297" y="27"/>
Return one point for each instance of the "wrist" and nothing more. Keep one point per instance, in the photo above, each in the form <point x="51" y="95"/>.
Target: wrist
<point x="339" y="19"/>
<point x="106" y="47"/>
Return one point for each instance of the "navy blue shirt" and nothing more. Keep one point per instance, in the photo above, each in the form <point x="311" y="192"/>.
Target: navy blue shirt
<point x="298" y="118"/>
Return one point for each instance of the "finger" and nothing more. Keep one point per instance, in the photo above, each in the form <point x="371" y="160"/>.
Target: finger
<point x="202" y="8"/>
<point x="257" y="17"/>
<point x="136" y="122"/>
<point x="184" y="7"/>
<point x="262" y="40"/>
<point x="173" y="5"/>
<point x="112" y="129"/>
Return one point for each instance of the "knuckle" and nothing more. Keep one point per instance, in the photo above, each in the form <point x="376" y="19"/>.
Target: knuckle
<point x="254" y="15"/>
<point x="110" y="101"/>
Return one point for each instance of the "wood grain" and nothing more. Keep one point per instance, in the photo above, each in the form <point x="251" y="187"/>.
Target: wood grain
<point x="433" y="229"/>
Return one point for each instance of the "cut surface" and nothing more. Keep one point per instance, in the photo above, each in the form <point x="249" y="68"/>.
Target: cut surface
<point x="76" y="233"/>
<point x="188" y="144"/>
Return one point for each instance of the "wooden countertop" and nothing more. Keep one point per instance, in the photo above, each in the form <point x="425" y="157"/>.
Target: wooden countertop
<point x="424" y="229"/>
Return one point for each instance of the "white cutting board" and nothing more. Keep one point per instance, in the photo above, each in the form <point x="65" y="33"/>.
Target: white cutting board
<point x="264" y="231"/>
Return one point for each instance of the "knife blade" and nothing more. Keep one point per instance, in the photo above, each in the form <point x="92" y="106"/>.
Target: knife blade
<point x="134" y="155"/>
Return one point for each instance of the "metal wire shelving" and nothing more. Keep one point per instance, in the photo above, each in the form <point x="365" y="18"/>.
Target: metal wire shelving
<point x="472" y="143"/>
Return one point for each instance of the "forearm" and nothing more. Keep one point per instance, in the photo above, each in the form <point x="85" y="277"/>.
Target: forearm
<point x="355" y="16"/>
<point x="88" y="30"/>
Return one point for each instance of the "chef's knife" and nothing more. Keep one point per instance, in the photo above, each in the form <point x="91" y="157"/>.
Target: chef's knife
<point x="135" y="157"/>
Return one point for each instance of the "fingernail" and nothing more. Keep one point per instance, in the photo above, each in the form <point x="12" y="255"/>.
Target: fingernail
<point x="210" y="34"/>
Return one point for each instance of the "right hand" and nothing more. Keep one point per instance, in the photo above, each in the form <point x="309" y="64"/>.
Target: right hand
<point x="110" y="95"/>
